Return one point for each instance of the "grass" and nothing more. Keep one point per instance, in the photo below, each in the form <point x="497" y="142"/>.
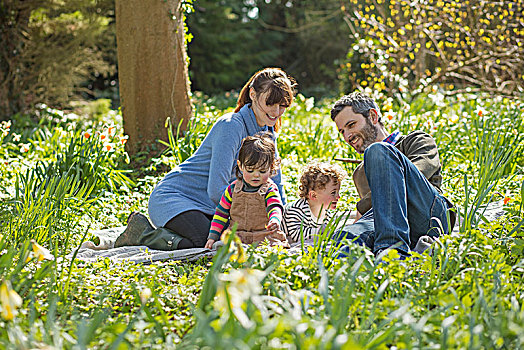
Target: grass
<point x="64" y="175"/>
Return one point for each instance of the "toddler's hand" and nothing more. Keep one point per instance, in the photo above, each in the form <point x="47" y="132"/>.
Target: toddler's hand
<point x="209" y="243"/>
<point x="272" y="226"/>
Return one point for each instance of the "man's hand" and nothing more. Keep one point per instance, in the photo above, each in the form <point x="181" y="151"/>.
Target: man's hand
<point x="272" y="226"/>
<point x="357" y="217"/>
<point x="209" y="243"/>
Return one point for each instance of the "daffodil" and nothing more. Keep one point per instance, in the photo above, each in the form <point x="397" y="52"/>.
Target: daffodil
<point x="145" y="294"/>
<point x="234" y="289"/>
<point x="9" y="301"/>
<point x="239" y="254"/>
<point x="480" y="111"/>
<point x="40" y="252"/>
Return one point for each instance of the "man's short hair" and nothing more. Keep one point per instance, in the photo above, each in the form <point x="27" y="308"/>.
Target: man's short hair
<point x="358" y="101"/>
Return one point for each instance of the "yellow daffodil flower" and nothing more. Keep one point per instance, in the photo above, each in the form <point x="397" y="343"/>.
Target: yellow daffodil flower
<point x="40" y="252"/>
<point x="9" y="301"/>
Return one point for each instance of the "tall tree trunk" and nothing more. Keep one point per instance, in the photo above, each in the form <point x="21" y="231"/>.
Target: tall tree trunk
<point x="152" y="69"/>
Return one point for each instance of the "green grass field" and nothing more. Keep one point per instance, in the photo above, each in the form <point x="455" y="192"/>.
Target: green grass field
<point x="66" y="174"/>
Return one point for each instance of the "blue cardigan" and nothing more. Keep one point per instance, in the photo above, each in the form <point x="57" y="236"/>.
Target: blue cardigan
<point x="199" y="182"/>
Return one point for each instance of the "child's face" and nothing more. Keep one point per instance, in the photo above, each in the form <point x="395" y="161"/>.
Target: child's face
<point x="326" y="197"/>
<point x="254" y="176"/>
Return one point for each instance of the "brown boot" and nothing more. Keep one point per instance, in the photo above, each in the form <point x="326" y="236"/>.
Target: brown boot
<point x="137" y="224"/>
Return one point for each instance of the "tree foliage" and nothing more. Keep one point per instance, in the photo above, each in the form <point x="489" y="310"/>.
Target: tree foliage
<point x="227" y="45"/>
<point x="233" y="39"/>
<point x="415" y="44"/>
<point x="49" y="47"/>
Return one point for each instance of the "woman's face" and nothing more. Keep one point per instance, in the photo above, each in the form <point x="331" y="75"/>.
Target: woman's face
<point x="265" y="115"/>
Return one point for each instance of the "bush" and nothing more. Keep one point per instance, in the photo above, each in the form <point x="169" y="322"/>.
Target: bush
<point x="49" y="48"/>
<point x="402" y="45"/>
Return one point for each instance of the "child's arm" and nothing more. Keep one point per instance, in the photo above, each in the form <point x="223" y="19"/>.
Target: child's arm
<point x="221" y="216"/>
<point x="274" y="208"/>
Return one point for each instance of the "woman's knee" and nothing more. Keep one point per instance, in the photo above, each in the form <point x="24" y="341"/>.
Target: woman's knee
<point x="192" y="225"/>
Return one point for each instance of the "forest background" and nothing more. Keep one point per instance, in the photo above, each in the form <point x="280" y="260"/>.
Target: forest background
<point x="56" y="52"/>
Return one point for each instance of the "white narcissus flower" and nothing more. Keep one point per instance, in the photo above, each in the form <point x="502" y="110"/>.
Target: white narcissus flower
<point x="480" y="111"/>
<point x="145" y="294"/>
<point x="111" y="131"/>
<point x="235" y="289"/>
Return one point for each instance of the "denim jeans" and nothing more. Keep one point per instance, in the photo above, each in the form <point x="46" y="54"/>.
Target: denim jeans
<point x="405" y="205"/>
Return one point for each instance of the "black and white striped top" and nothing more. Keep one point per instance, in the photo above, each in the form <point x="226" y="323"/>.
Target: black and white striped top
<point x="298" y="217"/>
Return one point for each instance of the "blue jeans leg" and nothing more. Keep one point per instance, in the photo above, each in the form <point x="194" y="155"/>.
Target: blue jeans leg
<point x="362" y="232"/>
<point x="405" y="205"/>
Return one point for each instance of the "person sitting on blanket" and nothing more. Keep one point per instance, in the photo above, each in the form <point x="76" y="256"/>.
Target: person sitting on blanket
<point x="398" y="181"/>
<point x="252" y="202"/>
<point x="319" y="192"/>
<point x="182" y="204"/>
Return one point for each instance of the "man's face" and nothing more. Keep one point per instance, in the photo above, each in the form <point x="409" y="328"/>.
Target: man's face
<point x="357" y="130"/>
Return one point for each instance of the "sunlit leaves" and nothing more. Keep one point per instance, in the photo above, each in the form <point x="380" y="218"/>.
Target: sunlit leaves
<point x="477" y="44"/>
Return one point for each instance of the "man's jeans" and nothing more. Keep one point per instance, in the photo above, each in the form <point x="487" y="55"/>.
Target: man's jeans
<point x="405" y="205"/>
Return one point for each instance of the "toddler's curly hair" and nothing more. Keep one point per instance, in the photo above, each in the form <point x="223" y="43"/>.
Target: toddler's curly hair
<point x="316" y="175"/>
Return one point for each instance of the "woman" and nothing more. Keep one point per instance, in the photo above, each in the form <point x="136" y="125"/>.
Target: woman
<point x="183" y="203"/>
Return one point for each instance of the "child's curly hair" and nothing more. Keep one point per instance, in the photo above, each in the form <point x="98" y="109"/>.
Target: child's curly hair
<point x="316" y="175"/>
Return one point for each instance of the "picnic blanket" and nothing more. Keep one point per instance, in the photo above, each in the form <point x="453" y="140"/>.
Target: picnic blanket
<point x="88" y="251"/>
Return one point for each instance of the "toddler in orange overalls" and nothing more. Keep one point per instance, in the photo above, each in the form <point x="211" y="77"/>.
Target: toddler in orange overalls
<point x="252" y="201"/>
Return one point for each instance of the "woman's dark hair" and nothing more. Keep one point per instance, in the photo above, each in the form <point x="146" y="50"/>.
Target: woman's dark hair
<point x="276" y="81"/>
<point x="258" y="151"/>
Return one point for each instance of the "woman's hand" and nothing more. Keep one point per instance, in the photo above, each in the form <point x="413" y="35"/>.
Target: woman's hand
<point x="272" y="226"/>
<point x="209" y="243"/>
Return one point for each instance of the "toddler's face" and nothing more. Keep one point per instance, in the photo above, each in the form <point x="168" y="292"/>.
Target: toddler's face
<point x="254" y="176"/>
<point x="328" y="197"/>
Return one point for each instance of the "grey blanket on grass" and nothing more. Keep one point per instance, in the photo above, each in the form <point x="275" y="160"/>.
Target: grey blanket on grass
<point x="88" y="251"/>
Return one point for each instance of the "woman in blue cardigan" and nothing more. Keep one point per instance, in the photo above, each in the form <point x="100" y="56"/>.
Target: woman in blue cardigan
<point x="182" y="204"/>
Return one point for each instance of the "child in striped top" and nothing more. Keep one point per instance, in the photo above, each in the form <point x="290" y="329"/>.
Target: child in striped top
<point x="319" y="192"/>
<point x="252" y="201"/>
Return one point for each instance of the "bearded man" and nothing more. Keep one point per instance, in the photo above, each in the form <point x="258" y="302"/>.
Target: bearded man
<point x="398" y="182"/>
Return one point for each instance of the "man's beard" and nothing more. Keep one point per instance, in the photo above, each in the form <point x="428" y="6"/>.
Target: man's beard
<point x="369" y="136"/>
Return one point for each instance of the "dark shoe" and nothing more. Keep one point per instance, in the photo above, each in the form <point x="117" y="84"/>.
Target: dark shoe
<point x="161" y="239"/>
<point x="137" y="225"/>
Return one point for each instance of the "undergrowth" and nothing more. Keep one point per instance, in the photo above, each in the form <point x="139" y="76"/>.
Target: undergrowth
<point x="65" y="175"/>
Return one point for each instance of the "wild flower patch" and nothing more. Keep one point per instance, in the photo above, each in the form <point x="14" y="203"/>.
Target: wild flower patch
<point x="467" y="294"/>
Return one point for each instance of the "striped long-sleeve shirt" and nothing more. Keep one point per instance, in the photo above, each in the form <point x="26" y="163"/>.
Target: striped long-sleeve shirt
<point x="273" y="208"/>
<point x="298" y="218"/>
